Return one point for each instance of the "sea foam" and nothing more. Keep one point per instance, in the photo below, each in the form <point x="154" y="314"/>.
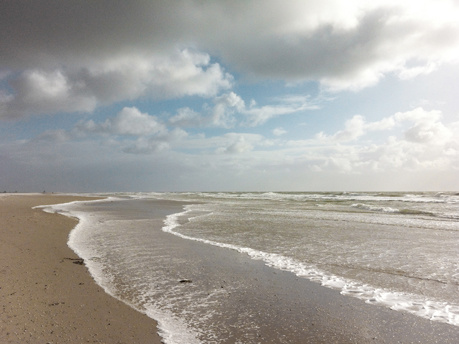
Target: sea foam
<point x="411" y="303"/>
<point x="171" y="329"/>
<point x="374" y="208"/>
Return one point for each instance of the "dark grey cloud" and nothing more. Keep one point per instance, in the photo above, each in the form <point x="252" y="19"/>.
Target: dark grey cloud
<point x="308" y="38"/>
<point x="64" y="56"/>
<point x="46" y="33"/>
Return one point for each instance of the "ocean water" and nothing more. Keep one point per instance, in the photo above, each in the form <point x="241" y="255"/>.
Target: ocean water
<point x="398" y="250"/>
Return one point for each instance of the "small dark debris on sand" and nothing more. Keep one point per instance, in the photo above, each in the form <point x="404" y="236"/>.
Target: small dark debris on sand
<point x="56" y="303"/>
<point x="79" y="261"/>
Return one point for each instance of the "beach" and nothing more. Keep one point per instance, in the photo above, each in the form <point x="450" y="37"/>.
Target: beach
<point x="227" y="297"/>
<point x="46" y="296"/>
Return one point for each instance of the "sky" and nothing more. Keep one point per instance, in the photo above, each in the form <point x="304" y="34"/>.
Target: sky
<point x="229" y="95"/>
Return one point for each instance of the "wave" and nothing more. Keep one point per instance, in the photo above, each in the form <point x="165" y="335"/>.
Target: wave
<point x="448" y="198"/>
<point x="373" y="202"/>
<point x="412" y="303"/>
<point x="373" y="208"/>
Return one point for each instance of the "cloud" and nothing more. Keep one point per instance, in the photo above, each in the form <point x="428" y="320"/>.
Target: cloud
<point x="344" y="46"/>
<point x="73" y="56"/>
<point x="174" y="160"/>
<point x="418" y="115"/>
<point x="224" y="108"/>
<point x="146" y="146"/>
<point x="187" y="117"/>
<point x="417" y="141"/>
<point x="239" y="145"/>
<point x="182" y="73"/>
<point x="397" y="154"/>
<point x="229" y="110"/>
<point x="77" y="57"/>
<point x="129" y="121"/>
<point x="355" y="128"/>
<point x="426" y="127"/>
<point x="220" y="115"/>
<point x="279" y="131"/>
<point x="153" y="144"/>
<point x="255" y="116"/>
<point x="58" y="136"/>
<point x="131" y="131"/>
<point x="229" y="143"/>
<point x="37" y="91"/>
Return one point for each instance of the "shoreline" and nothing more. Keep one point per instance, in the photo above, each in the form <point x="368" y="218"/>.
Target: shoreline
<point x="47" y="295"/>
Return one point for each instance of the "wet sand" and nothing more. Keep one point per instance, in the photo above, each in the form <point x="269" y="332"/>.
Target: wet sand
<point x="45" y="295"/>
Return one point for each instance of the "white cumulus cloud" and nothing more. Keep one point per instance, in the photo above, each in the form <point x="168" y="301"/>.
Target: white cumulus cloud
<point x="129" y="121"/>
<point x="180" y="74"/>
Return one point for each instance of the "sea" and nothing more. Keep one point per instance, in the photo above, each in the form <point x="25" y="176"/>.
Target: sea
<point x="192" y="260"/>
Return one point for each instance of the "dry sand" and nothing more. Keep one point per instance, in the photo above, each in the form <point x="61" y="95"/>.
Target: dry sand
<point x="46" y="297"/>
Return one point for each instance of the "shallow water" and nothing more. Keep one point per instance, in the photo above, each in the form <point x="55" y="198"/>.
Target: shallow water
<point x="397" y="250"/>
